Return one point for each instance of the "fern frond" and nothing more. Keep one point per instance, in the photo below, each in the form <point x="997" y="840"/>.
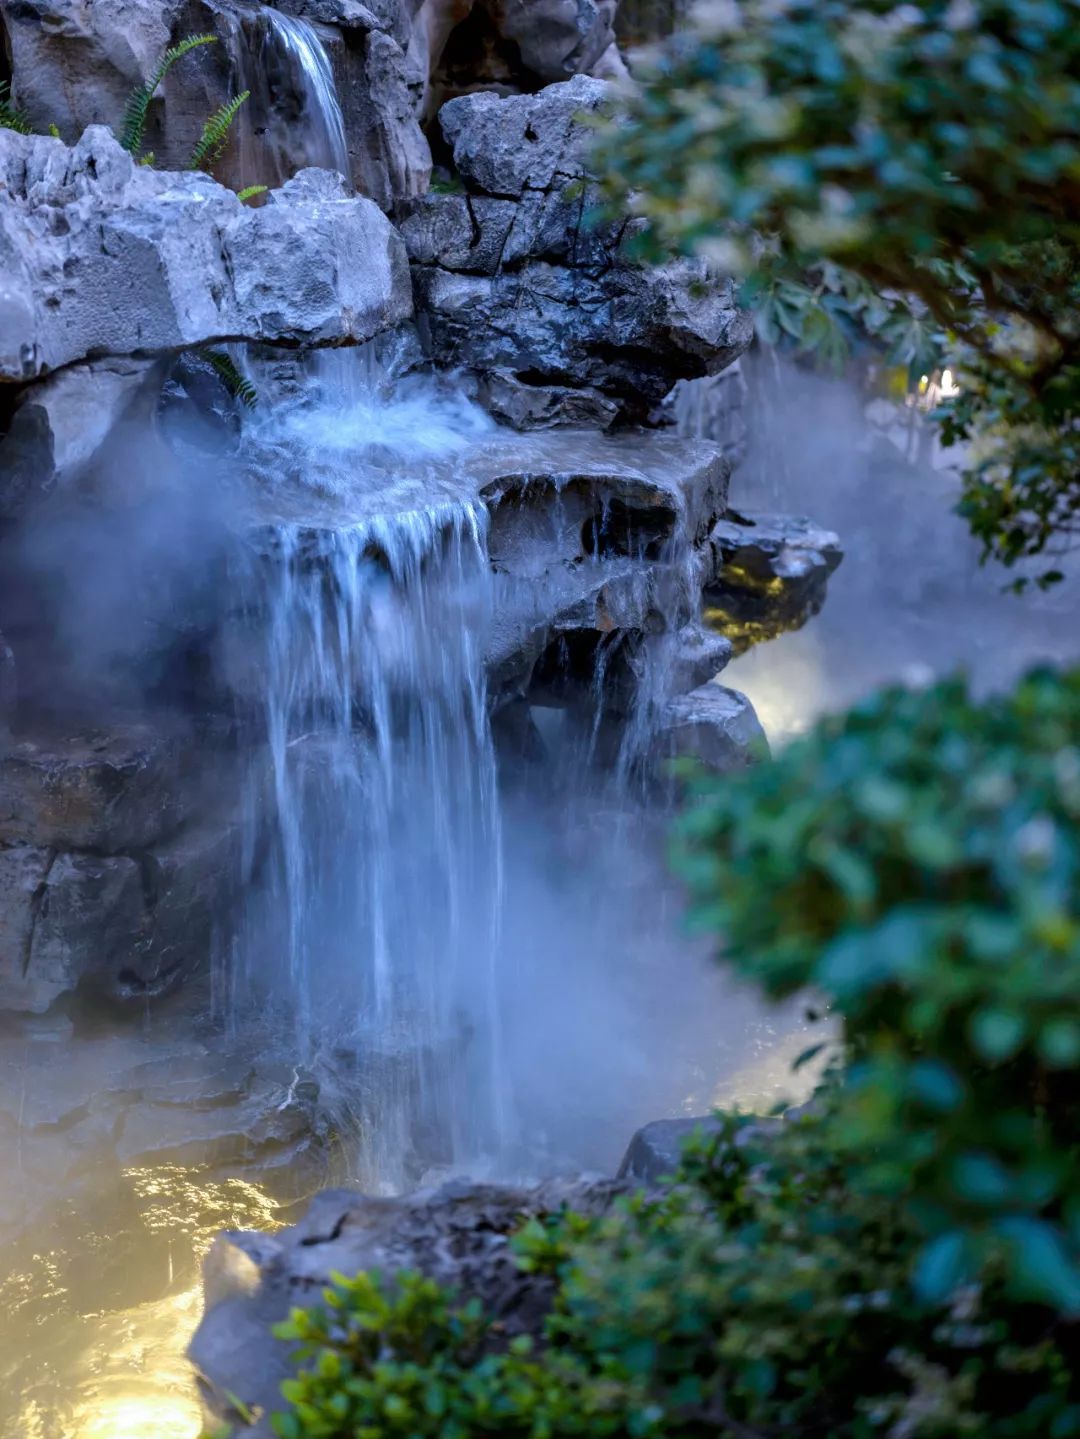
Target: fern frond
<point x="215" y="132"/>
<point x="11" y="117"/>
<point x="54" y="131"/>
<point x="240" y="388"/>
<point x="138" y="105"/>
<point x="148" y="160"/>
<point x="250" y="192"/>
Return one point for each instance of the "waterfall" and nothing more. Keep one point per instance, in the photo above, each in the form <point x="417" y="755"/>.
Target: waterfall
<point x="299" y="45"/>
<point x="294" y="117"/>
<point x="371" y="938"/>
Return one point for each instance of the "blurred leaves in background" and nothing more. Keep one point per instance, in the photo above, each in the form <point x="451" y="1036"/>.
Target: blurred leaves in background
<point x="903" y="175"/>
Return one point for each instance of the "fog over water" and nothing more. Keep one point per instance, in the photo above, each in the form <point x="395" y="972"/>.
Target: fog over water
<point x="910" y="599"/>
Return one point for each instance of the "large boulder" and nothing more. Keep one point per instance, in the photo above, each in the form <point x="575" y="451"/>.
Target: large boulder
<point x="766" y="574"/>
<point x="547" y="310"/>
<point x="100" y="256"/>
<point x="458" y="1235"/>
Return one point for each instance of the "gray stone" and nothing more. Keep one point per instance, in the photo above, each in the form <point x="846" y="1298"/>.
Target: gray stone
<point x="557" y="38"/>
<point x="9" y="690"/>
<point x="458" y="1235"/>
<point x="75" y="62"/>
<point x="105" y="257"/>
<point x="505" y="146"/>
<point x="23" y="869"/>
<point x="766" y="574"/>
<point x="656" y="1150"/>
<point x="516" y="285"/>
<point x="90" y="928"/>
<point x="712" y="724"/>
<point x="122" y="787"/>
<point x="59" y="425"/>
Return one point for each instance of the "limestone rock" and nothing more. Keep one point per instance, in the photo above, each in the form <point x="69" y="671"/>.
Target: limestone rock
<point x="516" y="285"/>
<point x="122" y="787"/>
<point x="9" y="690"/>
<point x="60" y="424"/>
<point x="557" y="38"/>
<point x="766" y="574"/>
<point x="458" y="1235"/>
<point x="715" y="725"/>
<point x="101" y="256"/>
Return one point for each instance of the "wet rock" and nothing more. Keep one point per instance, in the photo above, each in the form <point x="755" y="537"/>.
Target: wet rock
<point x="23" y="869"/>
<point x="767" y="574"/>
<point x="515" y="284"/>
<point x="9" y="691"/>
<point x="458" y="1235"/>
<point x="655" y="1151"/>
<point x="59" y="426"/>
<point x="116" y="788"/>
<point x="557" y="38"/>
<point x="89" y="926"/>
<point x="151" y="261"/>
<point x="75" y="62"/>
<point x="715" y="725"/>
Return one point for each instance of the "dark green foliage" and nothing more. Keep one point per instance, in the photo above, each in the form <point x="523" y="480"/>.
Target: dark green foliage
<point x="917" y="158"/>
<point x="902" y="1261"/>
<point x="237" y="385"/>
<point x="11" y="117"/>
<point x="215" y="133"/>
<point x="922" y="861"/>
<point x="133" y="126"/>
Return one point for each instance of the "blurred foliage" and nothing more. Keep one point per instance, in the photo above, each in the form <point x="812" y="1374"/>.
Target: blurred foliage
<point x="903" y="173"/>
<point x="901" y="1260"/>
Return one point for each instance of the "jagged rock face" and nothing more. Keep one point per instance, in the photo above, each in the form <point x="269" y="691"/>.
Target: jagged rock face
<point x="458" y="1235"/>
<point x="767" y="574"/>
<point x="515" y="285"/>
<point x="99" y="256"/>
<point x="118" y="852"/>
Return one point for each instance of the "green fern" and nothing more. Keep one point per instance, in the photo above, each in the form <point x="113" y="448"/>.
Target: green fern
<point x="54" y="131"/>
<point x="138" y="105"/>
<point x="240" y="388"/>
<point x="11" y="117"/>
<point x="250" y="191"/>
<point x="215" y="132"/>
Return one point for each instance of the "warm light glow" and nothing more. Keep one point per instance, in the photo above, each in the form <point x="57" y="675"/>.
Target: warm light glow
<point x="949" y="387"/>
<point x="149" y="1416"/>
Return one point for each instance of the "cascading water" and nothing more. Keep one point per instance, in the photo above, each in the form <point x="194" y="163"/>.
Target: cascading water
<point x="373" y="928"/>
<point x="294" y="117"/>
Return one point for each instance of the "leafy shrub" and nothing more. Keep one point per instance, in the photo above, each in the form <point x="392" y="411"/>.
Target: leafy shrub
<point x="903" y="170"/>
<point x="902" y="1260"/>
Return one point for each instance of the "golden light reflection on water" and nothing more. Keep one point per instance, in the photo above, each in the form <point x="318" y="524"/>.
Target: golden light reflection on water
<point x="97" y="1355"/>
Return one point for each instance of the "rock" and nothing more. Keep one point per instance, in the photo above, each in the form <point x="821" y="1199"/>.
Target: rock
<point x="89" y="926"/>
<point x="699" y="656"/>
<point x="656" y="1150"/>
<point x="505" y="146"/>
<point x="122" y="787"/>
<point x="457" y="1235"/>
<point x="9" y="691"/>
<point x="23" y="869"/>
<point x="715" y="725"/>
<point x="515" y="285"/>
<point x="766" y="574"/>
<point x="712" y="408"/>
<point x="557" y="38"/>
<point x="59" y="425"/>
<point x="147" y="261"/>
<point x="75" y="62"/>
